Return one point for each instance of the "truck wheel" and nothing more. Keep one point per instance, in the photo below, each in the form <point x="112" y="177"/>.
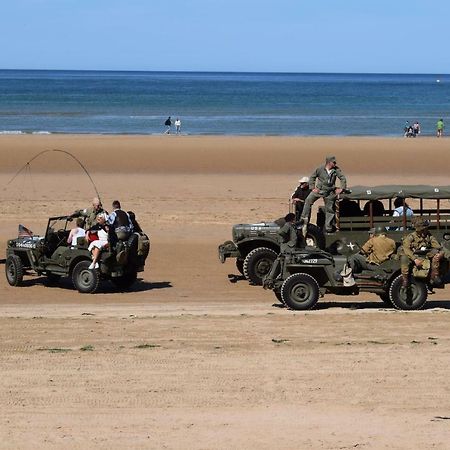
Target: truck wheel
<point x="412" y="297"/>
<point x="85" y="280"/>
<point x="300" y="291"/>
<point x="315" y="237"/>
<point x="125" y="281"/>
<point x="386" y="299"/>
<point x="240" y="265"/>
<point x="14" y="270"/>
<point x="257" y="264"/>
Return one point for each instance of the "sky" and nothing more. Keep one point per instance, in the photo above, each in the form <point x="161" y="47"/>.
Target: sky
<point x="386" y="36"/>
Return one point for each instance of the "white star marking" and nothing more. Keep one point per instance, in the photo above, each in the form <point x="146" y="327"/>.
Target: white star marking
<point x="351" y="245"/>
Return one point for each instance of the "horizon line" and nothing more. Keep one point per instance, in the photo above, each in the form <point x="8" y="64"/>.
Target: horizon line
<point x="224" y="71"/>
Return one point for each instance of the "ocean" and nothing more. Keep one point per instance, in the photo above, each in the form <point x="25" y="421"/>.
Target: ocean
<point x="220" y="103"/>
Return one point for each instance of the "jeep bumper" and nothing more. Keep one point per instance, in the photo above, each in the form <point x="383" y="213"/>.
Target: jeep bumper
<point x="228" y="250"/>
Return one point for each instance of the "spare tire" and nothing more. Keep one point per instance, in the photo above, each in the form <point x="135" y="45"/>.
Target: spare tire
<point x="257" y="264"/>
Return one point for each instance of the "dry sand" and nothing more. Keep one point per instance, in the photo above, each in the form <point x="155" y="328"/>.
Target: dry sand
<point x="189" y="359"/>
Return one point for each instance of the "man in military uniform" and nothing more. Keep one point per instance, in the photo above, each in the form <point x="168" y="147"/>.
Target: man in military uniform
<point x="300" y="195"/>
<point x="90" y="214"/>
<point x="378" y="249"/>
<point x="421" y="251"/>
<point x="288" y="237"/>
<point x="323" y="184"/>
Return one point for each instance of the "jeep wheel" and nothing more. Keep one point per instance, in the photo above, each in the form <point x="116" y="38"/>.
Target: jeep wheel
<point x="386" y="299"/>
<point x="315" y="237"/>
<point x="125" y="281"/>
<point x="84" y="279"/>
<point x="300" y="291"/>
<point x="240" y="265"/>
<point x="412" y="297"/>
<point x="14" y="270"/>
<point x="258" y="263"/>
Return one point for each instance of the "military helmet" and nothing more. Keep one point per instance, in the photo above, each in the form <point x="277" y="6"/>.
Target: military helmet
<point x="377" y="230"/>
<point x="420" y="223"/>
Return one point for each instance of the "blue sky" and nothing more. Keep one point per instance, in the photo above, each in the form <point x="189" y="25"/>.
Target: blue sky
<point x="394" y="36"/>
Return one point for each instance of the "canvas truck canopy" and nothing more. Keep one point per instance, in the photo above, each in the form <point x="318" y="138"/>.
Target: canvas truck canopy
<point x="392" y="191"/>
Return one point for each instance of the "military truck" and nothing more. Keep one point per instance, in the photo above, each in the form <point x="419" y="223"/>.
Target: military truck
<point x="308" y="273"/>
<point x="52" y="256"/>
<point x="256" y="246"/>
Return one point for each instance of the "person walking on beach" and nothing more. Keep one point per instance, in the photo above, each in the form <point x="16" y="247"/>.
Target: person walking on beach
<point x="323" y="184"/>
<point x="406" y="128"/>
<point x="168" y="124"/>
<point x="416" y="128"/>
<point x="440" y="128"/>
<point x="178" y="125"/>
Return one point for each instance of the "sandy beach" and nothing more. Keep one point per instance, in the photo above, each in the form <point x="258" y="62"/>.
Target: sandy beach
<point x="189" y="359"/>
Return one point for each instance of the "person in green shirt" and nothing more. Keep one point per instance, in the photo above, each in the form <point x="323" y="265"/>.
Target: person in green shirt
<point x="440" y="128"/>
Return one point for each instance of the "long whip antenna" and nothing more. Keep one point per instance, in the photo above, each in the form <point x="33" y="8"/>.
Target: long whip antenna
<point x="27" y="165"/>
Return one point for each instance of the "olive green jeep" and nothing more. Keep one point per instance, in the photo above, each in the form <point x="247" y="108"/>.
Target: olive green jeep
<point x="308" y="273"/>
<point x="52" y="256"/>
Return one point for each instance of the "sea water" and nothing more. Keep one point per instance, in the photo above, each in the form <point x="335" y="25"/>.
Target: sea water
<point x="220" y="103"/>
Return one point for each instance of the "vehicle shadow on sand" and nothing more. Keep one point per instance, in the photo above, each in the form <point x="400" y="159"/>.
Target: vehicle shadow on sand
<point x="105" y="287"/>
<point x="234" y="278"/>
<point x="431" y="304"/>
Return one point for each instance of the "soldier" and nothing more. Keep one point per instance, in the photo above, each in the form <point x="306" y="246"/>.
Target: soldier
<point x="300" y="195"/>
<point x="323" y="184"/>
<point x="90" y="214"/>
<point x="420" y="251"/>
<point x="375" y="251"/>
<point x="288" y="235"/>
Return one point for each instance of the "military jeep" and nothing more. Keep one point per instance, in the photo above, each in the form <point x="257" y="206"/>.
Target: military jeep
<point x="52" y="256"/>
<point x="256" y="246"/>
<point x="308" y="273"/>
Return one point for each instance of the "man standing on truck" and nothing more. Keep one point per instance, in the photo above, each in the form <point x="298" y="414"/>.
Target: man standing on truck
<point x="421" y="251"/>
<point x="323" y="185"/>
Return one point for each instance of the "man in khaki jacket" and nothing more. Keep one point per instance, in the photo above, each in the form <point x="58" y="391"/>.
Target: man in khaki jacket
<point x="375" y="251"/>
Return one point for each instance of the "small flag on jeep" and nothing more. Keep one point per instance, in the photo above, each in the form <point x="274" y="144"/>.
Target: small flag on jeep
<point x="24" y="231"/>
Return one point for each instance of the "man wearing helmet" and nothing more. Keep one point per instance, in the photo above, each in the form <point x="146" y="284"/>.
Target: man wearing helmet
<point x="421" y="251"/>
<point x="375" y="251"/>
<point x="299" y="196"/>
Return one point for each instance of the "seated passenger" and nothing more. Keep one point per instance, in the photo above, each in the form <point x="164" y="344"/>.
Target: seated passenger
<point x="101" y="242"/>
<point x="299" y="196"/>
<point x="136" y="227"/>
<point x="349" y="208"/>
<point x="399" y="211"/>
<point x="374" y="252"/>
<point x="421" y="252"/>
<point x="76" y="232"/>
<point x="377" y="208"/>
